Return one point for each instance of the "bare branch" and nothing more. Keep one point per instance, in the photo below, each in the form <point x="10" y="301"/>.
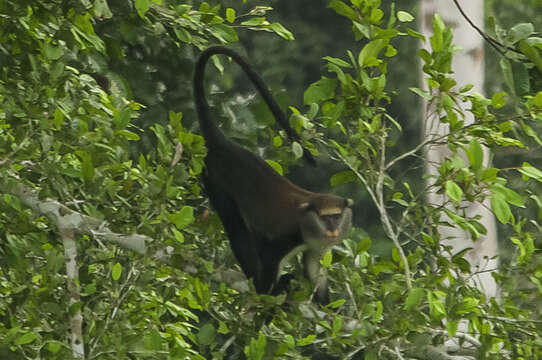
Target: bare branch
<point x="384" y="215"/>
<point x="72" y="274"/>
<point x="491" y="41"/>
<point x="65" y="218"/>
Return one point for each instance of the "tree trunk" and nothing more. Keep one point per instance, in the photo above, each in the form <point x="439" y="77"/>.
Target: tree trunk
<point x="468" y="68"/>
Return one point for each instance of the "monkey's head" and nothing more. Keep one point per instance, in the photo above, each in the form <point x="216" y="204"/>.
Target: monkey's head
<point x="325" y="221"/>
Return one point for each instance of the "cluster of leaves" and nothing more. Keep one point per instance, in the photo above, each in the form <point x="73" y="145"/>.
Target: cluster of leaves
<point x="351" y="101"/>
<point x="81" y="89"/>
<point x="68" y="128"/>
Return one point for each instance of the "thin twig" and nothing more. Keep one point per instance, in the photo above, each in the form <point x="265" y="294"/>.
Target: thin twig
<point x="384" y="216"/>
<point x="128" y="283"/>
<point x="493" y="42"/>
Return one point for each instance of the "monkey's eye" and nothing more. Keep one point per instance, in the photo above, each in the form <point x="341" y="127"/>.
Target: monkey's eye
<point x="332" y="220"/>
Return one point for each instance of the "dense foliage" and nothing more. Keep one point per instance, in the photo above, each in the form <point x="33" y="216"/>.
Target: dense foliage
<point x="99" y="151"/>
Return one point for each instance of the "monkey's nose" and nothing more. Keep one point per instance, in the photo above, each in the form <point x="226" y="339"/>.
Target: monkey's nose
<point x="332" y="234"/>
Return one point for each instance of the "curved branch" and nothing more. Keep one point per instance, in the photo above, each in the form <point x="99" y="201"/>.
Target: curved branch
<point x="493" y="42"/>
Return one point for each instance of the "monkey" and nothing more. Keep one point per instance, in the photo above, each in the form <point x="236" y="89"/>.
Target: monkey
<point x="265" y="216"/>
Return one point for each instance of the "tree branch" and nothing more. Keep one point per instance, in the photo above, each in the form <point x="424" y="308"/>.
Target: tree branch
<point x="491" y="41"/>
<point x="72" y="275"/>
<point x="65" y="218"/>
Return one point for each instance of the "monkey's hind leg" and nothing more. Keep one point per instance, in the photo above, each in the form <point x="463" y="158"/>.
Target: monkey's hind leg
<point x="239" y="235"/>
<point x="273" y="252"/>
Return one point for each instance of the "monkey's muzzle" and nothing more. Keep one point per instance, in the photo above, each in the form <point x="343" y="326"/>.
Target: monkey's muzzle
<point x="332" y="235"/>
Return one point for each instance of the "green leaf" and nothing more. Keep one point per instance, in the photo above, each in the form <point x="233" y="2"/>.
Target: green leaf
<point x="207" y="334"/>
<point x="230" y="15"/>
<point x="509" y="195"/>
<point x="453" y="191"/>
<point x="323" y="89"/>
<point x="370" y="51"/>
<point x="223" y="328"/>
<point x="152" y="340"/>
<point x="468" y="305"/>
<point x="526" y="248"/>
<point x="327" y="259"/>
<point x="256" y="349"/>
<point x="314" y="108"/>
<point x="255" y="21"/>
<point x="122" y="118"/>
<point x="281" y="31"/>
<point x="436" y="307"/>
<point x="376" y="16"/>
<point x="500" y="208"/>
<point x="428" y="240"/>
<point x="342" y="9"/>
<point x="414" y="298"/>
<point x="84" y="23"/>
<point x="360" y="31"/>
<point x="183" y="35"/>
<point x="337" y="61"/>
<point x="116" y="271"/>
<point x="532" y="53"/>
<point x="498" y="100"/>
<point x="53" y="52"/>
<point x="297" y="149"/>
<point x="337" y="324"/>
<point x="128" y="135"/>
<point x="178" y="235"/>
<point x="183" y="218"/>
<point x="277" y="141"/>
<point x="415" y="34"/>
<point x="404" y="16"/>
<point x="475" y="154"/>
<point x="451" y="327"/>
<point x="307" y="340"/>
<point x="530" y="171"/>
<point x="424" y="94"/>
<point x="54" y="346"/>
<point x="337" y="70"/>
<point x="466" y="88"/>
<point x="520" y="31"/>
<point x="506" y="69"/>
<point x="276" y="166"/>
<point x="390" y="51"/>
<point x="101" y="10"/>
<point x="142" y="6"/>
<point x="224" y="32"/>
<point x="58" y="118"/>
<point x="341" y="178"/>
<point x="522" y="80"/>
<point x="336" y="304"/>
<point x="27" y="338"/>
<point x="364" y="244"/>
<point x="398" y="198"/>
<point x="87" y="167"/>
<point x="395" y="256"/>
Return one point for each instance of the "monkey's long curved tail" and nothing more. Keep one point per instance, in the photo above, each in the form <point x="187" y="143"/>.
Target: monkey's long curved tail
<point x="209" y="128"/>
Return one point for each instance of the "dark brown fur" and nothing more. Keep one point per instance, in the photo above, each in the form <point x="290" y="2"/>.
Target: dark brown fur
<point x="260" y="209"/>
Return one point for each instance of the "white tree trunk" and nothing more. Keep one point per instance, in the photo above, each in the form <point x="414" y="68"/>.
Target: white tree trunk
<point x="468" y="68"/>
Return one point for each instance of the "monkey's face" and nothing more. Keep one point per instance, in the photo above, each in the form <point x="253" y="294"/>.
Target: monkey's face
<point x="325" y="226"/>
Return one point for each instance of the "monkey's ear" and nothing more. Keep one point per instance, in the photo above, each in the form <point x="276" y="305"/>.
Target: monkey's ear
<point x="306" y="206"/>
<point x="349" y="202"/>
